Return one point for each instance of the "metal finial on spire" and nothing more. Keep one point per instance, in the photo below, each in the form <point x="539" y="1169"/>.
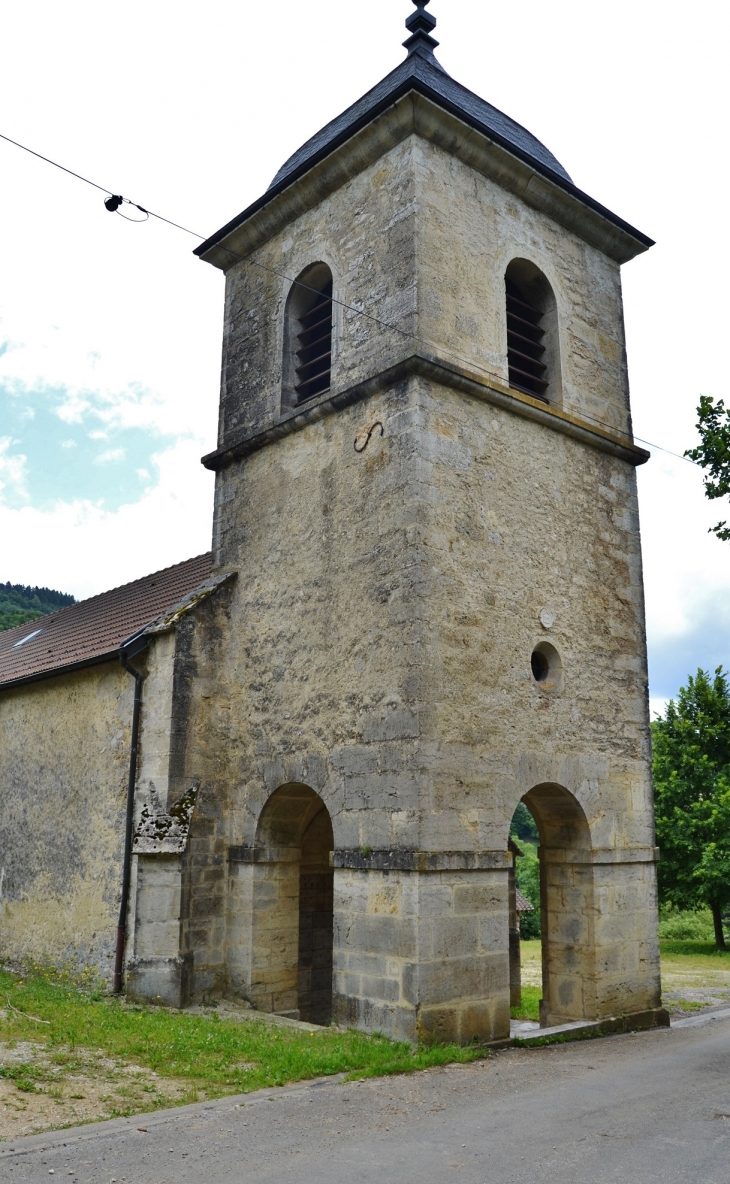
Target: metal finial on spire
<point x="420" y="25"/>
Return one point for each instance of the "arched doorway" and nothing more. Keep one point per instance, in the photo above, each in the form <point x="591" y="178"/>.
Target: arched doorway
<point x="293" y="898"/>
<point x="566" y="906"/>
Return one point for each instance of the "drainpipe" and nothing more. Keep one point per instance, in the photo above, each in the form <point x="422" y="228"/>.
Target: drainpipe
<point x="129" y="828"/>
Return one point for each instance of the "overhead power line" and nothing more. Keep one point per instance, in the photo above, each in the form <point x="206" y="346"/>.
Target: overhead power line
<point x="114" y="200"/>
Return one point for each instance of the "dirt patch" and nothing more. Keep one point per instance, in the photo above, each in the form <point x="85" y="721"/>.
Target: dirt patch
<point x="42" y="1089"/>
<point x="531" y="958"/>
<point x="687" y="999"/>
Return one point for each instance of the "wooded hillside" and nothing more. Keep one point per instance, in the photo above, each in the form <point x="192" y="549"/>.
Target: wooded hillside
<point x="20" y="603"/>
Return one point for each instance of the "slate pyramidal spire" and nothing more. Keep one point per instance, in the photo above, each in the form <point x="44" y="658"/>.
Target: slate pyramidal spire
<point x="423" y="73"/>
<point x="420" y="24"/>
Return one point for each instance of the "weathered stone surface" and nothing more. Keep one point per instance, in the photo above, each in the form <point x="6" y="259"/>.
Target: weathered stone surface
<point x="64" y="760"/>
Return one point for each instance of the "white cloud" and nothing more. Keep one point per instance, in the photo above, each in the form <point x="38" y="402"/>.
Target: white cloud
<point x="684" y="565"/>
<point x="80" y="548"/>
<point x="657" y="707"/>
<point x="12" y="470"/>
<point x="111" y="456"/>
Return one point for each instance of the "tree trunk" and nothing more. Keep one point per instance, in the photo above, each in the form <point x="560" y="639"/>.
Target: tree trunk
<point x="717" y="918"/>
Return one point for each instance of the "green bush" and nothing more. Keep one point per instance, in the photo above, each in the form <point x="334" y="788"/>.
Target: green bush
<point x="694" y="950"/>
<point x="686" y="925"/>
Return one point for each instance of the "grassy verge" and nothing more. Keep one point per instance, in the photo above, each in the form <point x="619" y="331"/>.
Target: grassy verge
<point x="530" y="1007"/>
<point x="208" y="1055"/>
<point x="696" y="949"/>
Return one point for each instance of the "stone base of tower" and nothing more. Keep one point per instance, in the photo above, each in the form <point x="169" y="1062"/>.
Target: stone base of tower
<point x="421" y="944"/>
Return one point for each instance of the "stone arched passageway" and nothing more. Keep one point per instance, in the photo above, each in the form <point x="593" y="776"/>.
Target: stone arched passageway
<point x="291" y="951"/>
<point x="566" y="905"/>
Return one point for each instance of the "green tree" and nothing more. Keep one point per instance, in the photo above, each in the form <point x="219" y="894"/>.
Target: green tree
<point x="713" y="454"/>
<point x="523" y="825"/>
<point x="523" y="829"/>
<point x="692" y="797"/>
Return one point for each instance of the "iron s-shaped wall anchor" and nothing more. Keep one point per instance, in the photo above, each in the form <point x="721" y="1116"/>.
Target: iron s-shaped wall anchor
<point x="371" y="429"/>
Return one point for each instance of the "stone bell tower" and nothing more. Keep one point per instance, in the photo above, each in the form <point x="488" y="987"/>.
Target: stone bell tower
<point x="425" y="481"/>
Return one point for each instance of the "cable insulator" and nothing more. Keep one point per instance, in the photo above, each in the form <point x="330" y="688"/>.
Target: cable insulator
<point x="113" y="203"/>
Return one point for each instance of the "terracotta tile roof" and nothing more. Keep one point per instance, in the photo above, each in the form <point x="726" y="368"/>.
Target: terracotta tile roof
<point x="95" y="628"/>
<point x="523" y="904"/>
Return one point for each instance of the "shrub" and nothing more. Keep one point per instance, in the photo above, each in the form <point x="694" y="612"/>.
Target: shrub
<point x="686" y="925"/>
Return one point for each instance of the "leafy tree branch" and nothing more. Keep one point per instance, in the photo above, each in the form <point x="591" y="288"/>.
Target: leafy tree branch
<point x="713" y="453"/>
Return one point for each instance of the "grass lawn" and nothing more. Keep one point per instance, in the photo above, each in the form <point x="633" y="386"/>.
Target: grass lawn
<point x="694" y="975"/>
<point x="530" y="1008"/>
<point x="68" y="1056"/>
<point x="699" y="950"/>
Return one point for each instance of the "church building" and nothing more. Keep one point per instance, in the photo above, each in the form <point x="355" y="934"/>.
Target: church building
<point x="284" y="772"/>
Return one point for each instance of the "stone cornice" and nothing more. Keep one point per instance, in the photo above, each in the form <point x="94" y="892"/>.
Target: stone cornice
<point x="446" y="374"/>
<point x="386" y="860"/>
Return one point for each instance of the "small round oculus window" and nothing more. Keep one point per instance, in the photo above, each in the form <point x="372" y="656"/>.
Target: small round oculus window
<point x="547" y="668"/>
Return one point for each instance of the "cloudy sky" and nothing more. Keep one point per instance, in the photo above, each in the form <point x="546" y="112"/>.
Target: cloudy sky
<point x="110" y="332"/>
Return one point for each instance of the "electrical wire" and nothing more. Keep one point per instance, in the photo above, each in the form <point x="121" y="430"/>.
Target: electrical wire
<point x="469" y="363"/>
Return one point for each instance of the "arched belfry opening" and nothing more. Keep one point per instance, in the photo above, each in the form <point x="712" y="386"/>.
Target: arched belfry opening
<point x="566" y="906"/>
<point x="291" y="967"/>
<point x="307" y="362"/>
<point x="533" y="347"/>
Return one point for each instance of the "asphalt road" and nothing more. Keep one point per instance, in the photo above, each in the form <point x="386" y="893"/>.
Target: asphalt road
<point x="638" y="1108"/>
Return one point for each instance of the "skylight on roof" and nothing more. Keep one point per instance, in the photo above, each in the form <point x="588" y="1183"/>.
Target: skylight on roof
<point x="27" y="637"/>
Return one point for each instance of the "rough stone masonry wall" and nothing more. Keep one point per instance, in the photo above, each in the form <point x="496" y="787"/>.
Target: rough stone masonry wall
<point x="525" y="520"/>
<point x="468" y="230"/>
<point x="64" y="761"/>
<point x="179" y="887"/>
<point x="422" y="955"/>
<point x="392" y="675"/>
<point x="366" y="234"/>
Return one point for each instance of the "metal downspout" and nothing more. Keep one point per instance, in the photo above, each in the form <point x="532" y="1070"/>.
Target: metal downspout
<point x="129" y="828"/>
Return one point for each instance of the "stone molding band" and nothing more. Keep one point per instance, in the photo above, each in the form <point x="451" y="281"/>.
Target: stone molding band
<point x="599" y="855"/>
<point x="385" y="859"/>
<point x="447" y="374"/>
<point x="246" y="854"/>
<point x="381" y="859"/>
